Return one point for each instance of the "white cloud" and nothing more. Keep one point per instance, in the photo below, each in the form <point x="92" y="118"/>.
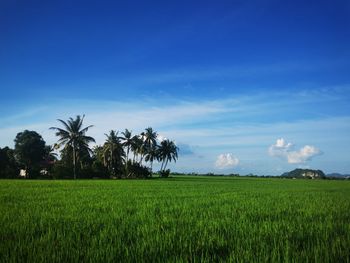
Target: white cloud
<point x="285" y="150"/>
<point x="281" y="148"/>
<point x="304" y="154"/>
<point x="226" y="161"/>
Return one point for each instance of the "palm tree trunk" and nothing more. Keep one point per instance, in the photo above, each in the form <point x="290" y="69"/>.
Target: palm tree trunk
<point x="111" y="165"/>
<point x="74" y="161"/>
<point x="127" y="154"/>
<point x="127" y="161"/>
<point x="166" y="163"/>
<point x="141" y="159"/>
<point x="161" y="168"/>
<point x="152" y="168"/>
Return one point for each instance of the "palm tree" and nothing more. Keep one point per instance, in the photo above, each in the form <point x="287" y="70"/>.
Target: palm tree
<point x="151" y="155"/>
<point x="149" y="139"/>
<point x="113" y="150"/>
<point x="136" y="146"/>
<point x="167" y="152"/>
<point x="50" y="155"/>
<point x="98" y="154"/>
<point x="73" y="135"/>
<point x="127" y="143"/>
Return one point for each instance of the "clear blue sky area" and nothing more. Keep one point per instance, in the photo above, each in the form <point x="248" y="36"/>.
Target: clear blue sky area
<point x="250" y="71"/>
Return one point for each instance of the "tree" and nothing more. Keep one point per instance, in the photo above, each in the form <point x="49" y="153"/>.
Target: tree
<point x="98" y="154"/>
<point x="99" y="164"/>
<point x="151" y="155"/>
<point x="50" y="158"/>
<point x="50" y="155"/>
<point x="8" y="164"/>
<point x="113" y="152"/>
<point x="167" y="152"/>
<point x="149" y="141"/>
<point x="29" y="149"/>
<point x="73" y="135"/>
<point x="127" y="142"/>
<point x="136" y="146"/>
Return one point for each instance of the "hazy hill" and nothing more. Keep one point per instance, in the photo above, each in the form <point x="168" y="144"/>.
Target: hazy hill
<point x="338" y="175"/>
<point x="305" y="174"/>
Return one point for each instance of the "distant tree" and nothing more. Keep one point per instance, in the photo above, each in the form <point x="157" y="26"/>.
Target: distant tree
<point x="66" y="154"/>
<point x="29" y="149"/>
<point x="98" y="156"/>
<point x="73" y="136"/>
<point x="113" y="152"/>
<point x="99" y="164"/>
<point x="149" y="138"/>
<point x="8" y="164"/>
<point x="136" y="147"/>
<point x="167" y="152"/>
<point x="152" y="155"/>
<point x="50" y="155"/>
<point x="127" y="142"/>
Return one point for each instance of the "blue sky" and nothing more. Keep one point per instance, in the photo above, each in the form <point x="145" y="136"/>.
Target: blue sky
<point x="227" y="80"/>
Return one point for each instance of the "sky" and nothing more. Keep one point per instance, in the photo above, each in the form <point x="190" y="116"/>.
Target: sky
<point x="243" y="87"/>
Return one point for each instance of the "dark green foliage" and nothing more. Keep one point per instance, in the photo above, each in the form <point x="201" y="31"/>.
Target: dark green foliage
<point x="136" y="170"/>
<point x="180" y="219"/>
<point x="149" y="138"/>
<point x="118" y="157"/>
<point x="87" y="173"/>
<point x="30" y="151"/>
<point x="61" y="170"/>
<point x="164" y="173"/>
<point x="167" y="152"/>
<point x="96" y="170"/>
<point x="8" y="165"/>
<point x="113" y="154"/>
<point x="99" y="170"/>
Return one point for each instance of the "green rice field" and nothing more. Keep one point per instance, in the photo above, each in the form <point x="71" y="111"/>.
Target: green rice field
<point x="179" y="219"/>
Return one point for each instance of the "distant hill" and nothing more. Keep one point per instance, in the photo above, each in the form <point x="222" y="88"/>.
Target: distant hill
<point x="305" y="174"/>
<point x="338" y="175"/>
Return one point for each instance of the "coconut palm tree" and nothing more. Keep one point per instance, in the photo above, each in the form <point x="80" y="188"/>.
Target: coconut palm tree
<point x="167" y="152"/>
<point x="50" y="155"/>
<point x="151" y="155"/>
<point x="136" y="146"/>
<point x="73" y="135"/>
<point x="127" y="142"/>
<point x="113" y="151"/>
<point x="149" y="140"/>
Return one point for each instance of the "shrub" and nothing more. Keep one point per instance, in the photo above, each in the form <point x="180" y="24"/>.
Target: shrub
<point x="99" y="170"/>
<point x="61" y="171"/>
<point x="135" y="170"/>
<point x="165" y="173"/>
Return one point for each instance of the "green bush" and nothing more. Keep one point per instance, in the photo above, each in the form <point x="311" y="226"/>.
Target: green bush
<point x="99" y="170"/>
<point x="9" y="172"/>
<point x="61" y="171"/>
<point x="135" y="170"/>
<point x="165" y="173"/>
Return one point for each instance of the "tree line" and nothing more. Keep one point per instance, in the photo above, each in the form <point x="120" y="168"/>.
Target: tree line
<point x="123" y="155"/>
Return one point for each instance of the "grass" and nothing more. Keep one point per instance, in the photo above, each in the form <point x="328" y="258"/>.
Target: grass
<point x="181" y="219"/>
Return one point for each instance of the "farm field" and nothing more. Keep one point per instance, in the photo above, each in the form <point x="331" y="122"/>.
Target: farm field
<point x="179" y="219"/>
